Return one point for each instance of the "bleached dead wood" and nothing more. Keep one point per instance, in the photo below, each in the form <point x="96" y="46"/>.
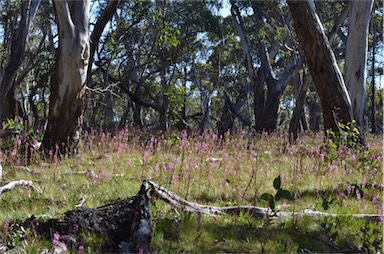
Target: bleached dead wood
<point x="14" y="184"/>
<point x="90" y="173"/>
<point x="258" y="212"/>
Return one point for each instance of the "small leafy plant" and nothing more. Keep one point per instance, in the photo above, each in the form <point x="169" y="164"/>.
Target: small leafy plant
<point x="280" y="193"/>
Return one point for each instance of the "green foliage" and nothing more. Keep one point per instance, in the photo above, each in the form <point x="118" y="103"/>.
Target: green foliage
<point x="280" y="193"/>
<point x="326" y="202"/>
<point x="347" y="136"/>
<point x="13" y="126"/>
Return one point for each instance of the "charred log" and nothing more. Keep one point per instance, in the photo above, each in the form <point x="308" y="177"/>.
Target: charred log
<point x="126" y="224"/>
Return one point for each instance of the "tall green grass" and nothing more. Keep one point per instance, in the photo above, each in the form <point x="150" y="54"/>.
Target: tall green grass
<point x="209" y="170"/>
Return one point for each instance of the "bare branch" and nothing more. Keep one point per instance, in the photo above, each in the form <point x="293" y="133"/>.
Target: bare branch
<point x="258" y="212"/>
<point x="14" y="184"/>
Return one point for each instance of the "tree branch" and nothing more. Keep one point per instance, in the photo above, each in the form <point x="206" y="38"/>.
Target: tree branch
<point x="258" y="212"/>
<point x="14" y="184"/>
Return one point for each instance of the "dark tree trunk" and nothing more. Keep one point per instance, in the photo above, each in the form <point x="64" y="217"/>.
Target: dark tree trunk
<point x="9" y="106"/>
<point x="108" y="109"/>
<point x="314" y="116"/>
<point x="329" y="82"/>
<point x="163" y="115"/>
<point x="137" y="119"/>
<point x="98" y="29"/>
<point x="230" y="113"/>
<point x="259" y="103"/>
<point x="271" y="109"/>
<point x="298" y="113"/>
<point x="226" y="120"/>
<point x="373" y="107"/>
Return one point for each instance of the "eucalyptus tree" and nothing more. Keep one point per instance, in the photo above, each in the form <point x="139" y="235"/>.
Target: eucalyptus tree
<point x="15" y="32"/>
<point x="356" y="56"/>
<point x="232" y="105"/>
<point x="376" y="70"/>
<point x="335" y="101"/>
<point x="275" y="56"/>
<point x="156" y="49"/>
<point x="67" y="97"/>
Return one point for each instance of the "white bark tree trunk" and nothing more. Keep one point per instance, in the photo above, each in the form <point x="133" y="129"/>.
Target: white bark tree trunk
<point x="67" y="99"/>
<point x="356" y="56"/>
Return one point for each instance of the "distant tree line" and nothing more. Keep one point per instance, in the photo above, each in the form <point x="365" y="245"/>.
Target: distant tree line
<point x="228" y="66"/>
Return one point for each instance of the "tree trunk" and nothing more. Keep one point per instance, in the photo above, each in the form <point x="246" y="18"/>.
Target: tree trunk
<point x="226" y="120"/>
<point x="137" y="119"/>
<point x="182" y="121"/>
<point x="133" y="69"/>
<point x="314" y="115"/>
<point x="373" y="107"/>
<point x="256" y="79"/>
<point x="67" y="99"/>
<point x="322" y="63"/>
<point x="206" y="109"/>
<point x="8" y="103"/>
<point x="98" y="29"/>
<point x="108" y="109"/>
<point x="299" y="109"/>
<point x="205" y="105"/>
<point x="356" y="57"/>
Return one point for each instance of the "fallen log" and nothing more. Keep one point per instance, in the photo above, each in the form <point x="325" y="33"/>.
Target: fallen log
<point x="257" y="212"/>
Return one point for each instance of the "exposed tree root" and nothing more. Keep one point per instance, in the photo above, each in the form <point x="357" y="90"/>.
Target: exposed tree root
<point x="14" y="184"/>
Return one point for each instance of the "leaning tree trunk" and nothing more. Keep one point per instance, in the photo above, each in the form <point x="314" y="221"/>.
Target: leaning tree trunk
<point x="356" y="56"/>
<point x="67" y="99"/>
<point x="8" y="103"/>
<point x="322" y="63"/>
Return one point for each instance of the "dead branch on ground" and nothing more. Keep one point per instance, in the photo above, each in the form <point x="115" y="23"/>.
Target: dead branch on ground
<point x="14" y="184"/>
<point x="258" y="212"/>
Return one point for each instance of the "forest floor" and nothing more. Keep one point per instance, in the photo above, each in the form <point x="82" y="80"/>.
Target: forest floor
<point x="321" y="175"/>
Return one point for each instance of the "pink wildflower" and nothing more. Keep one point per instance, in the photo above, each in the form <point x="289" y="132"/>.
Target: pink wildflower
<point x="13" y="153"/>
<point x="375" y="200"/>
<point x="358" y="195"/>
<point x="56" y="238"/>
<point x="342" y="194"/>
<point x="18" y="140"/>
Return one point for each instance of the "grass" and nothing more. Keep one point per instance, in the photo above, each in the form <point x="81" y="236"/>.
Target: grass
<point x="208" y="170"/>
